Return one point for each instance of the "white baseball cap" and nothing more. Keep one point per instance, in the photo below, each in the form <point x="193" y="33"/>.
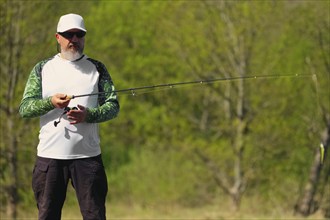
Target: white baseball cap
<point x="70" y="21"/>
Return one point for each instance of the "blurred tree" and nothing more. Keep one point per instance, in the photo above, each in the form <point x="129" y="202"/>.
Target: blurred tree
<point x="316" y="189"/>
<point x="11" y="42"/>
<point x="224" y="37"/>
<point x="175" y="41"/>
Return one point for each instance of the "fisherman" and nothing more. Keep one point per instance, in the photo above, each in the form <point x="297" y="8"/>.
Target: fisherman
<point x="71" y="149"/>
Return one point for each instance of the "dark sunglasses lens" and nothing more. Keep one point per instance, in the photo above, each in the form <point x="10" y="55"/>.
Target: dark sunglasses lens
<point x="80" y="34"/>
<point x="69" y="35"/>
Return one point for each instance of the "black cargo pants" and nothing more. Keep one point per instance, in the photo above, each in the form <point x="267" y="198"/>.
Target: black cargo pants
<point x="50" y="179"/>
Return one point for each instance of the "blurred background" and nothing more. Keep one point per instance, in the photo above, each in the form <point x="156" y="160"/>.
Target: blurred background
<point x="245" y="148"/>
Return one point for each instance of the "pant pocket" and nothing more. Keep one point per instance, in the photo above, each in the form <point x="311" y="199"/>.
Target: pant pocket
<point x="39" y="177"/>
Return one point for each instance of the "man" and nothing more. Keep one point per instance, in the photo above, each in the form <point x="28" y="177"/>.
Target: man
<point x="69" y="148"/>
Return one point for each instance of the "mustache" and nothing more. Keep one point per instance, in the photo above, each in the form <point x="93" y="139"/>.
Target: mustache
<point x="73" y="44"/>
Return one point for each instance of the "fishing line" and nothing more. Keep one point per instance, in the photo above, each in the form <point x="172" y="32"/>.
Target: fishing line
<point x="153" y="88"/>
<point x="133" y="90"/>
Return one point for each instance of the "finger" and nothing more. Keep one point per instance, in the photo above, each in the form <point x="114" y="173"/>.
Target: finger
<point x="62" y="96"/>
<point x="81" y="107"/>
<point x="73" y="122"/>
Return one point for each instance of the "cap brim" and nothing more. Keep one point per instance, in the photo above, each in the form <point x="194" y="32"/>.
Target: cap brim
<point x="67" y="29"/>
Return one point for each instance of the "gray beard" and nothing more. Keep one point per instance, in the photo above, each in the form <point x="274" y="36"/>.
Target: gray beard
<point x="71" y="56"/>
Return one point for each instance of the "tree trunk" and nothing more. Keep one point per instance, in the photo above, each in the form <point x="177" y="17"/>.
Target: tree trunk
<point x="11" y="68"/>
<point x="326" y="172"/>
<point x="308" y="204"/>
<point x="238" y="145"/>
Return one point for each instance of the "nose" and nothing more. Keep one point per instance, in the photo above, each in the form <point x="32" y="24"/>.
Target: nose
<point x="75" y="38"/>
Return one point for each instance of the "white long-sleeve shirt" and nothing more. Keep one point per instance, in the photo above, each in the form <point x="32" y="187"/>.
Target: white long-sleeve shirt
<point x="57" y="75"/>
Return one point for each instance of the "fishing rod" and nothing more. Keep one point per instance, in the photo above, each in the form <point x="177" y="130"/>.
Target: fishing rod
<point x="171" y="85"/>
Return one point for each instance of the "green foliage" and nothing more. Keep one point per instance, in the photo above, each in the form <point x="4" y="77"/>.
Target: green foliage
<point x="149" y="150"/>
<point x="195" y="47"/>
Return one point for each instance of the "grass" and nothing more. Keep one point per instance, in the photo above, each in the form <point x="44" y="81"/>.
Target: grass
<point x="251" y="209"/>
<point x="137" y="212"/>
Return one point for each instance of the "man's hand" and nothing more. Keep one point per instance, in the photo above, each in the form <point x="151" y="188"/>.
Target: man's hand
<point x="60" y="100"/>
<point x="77" y="116"/>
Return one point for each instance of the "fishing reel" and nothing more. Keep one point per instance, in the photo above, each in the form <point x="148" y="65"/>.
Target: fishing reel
<point x="66" y="110"/>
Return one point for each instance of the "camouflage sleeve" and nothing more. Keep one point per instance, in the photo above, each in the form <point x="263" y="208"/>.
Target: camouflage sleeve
<point x="108" y="104"/>
<point x="32" y="104"/>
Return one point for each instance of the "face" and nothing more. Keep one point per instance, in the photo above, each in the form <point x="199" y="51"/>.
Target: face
<point x="72" y="44"/>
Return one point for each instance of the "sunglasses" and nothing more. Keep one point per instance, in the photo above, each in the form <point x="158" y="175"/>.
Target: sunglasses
<point x="69" y="35"/>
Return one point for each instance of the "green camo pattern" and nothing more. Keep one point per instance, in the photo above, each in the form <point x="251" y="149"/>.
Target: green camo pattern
<point x="33" y="105"/>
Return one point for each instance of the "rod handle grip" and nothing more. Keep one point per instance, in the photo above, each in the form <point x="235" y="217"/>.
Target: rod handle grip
<point x="70" y="97"/>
